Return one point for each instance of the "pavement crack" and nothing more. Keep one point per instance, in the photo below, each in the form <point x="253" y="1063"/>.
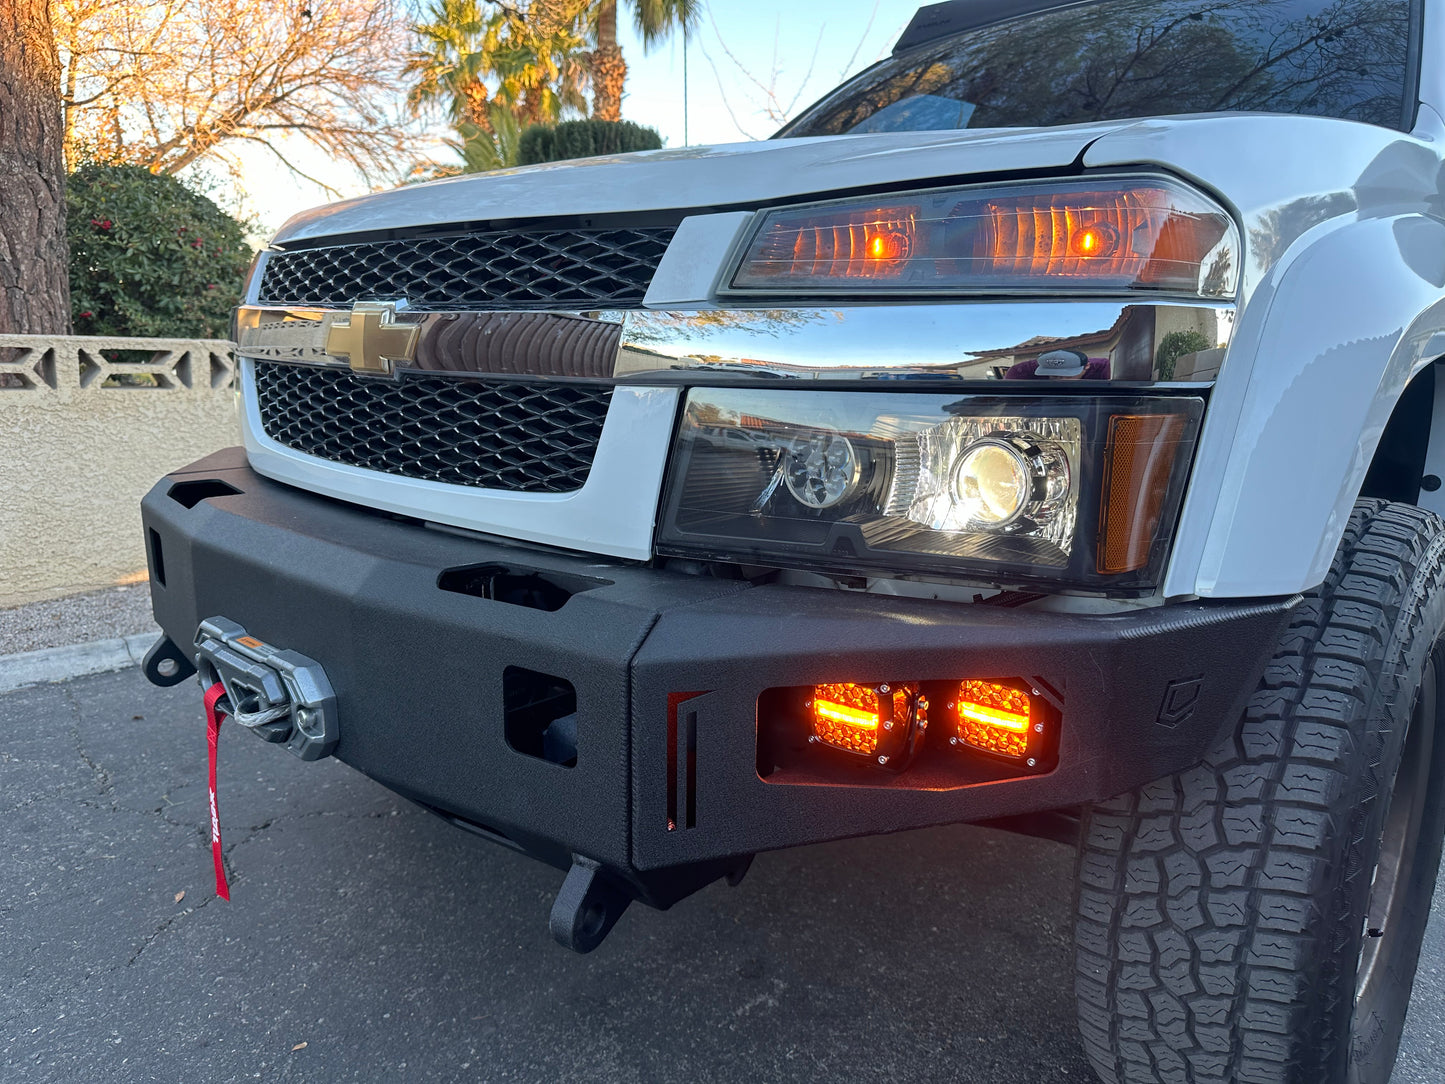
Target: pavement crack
<point x="56" y="795"/>
<point x="170" y="921"/>
<point x="97" y="771"/>
<point x="116" y="807"/>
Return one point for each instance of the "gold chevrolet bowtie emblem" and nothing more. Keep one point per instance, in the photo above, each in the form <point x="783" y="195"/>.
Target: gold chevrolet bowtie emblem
<point x="371" y="340"/>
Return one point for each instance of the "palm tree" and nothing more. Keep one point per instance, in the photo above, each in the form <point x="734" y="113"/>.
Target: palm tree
<point x="471" y="56"/>
<point x="655" y="21"/>
<point x="477" y="149"/>
<point x="447" y="61"/>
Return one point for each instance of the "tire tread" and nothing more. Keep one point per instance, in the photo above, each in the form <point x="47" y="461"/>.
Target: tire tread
<point x="1199" y="905"/>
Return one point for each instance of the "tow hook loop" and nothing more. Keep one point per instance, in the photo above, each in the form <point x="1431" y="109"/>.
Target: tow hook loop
<point x="587" y="907"/>
<point x="216" y="707"/>
<point x="166" y="664"/>
<point x="279" y="695"/>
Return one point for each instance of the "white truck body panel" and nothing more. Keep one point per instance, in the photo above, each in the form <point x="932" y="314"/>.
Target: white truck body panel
<point x="1340" y="298"/>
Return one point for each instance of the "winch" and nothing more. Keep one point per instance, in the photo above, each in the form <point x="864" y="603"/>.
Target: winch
<point x="280" y="695"/>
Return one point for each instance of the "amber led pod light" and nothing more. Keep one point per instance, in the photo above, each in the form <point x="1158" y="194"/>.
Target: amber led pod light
<point x="881" y="723"/>
<point x="996" y="718"/>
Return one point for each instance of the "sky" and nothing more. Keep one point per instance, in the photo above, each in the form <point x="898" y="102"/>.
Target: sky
<point x="748" y="62"/>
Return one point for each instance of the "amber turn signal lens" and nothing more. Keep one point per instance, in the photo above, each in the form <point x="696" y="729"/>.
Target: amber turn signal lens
<point x="867" y="243"/>
<point x="881" y="722"/>
<point x="1138" y="462"/>
<point x="1145" y="233"/>
<point x="995" y="718"/>
<point x="1126" y="234"/>
<point x="1098" y="239"/>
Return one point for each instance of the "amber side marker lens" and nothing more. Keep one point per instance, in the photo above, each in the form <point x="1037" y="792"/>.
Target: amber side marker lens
<point x="1138" y="460"/>
<point x="995" y="718"/>
<point x="880" y="722"/>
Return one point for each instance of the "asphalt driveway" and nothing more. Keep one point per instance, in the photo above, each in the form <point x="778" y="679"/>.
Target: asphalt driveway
<point x="368" y="941"/>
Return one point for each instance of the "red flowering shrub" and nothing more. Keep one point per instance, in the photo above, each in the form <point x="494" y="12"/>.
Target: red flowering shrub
<point x="150" y="256"/>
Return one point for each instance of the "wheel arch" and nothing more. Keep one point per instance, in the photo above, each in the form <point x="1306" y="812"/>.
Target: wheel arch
<point x="1319" y="402"/>
<point x="1397" y="471"/>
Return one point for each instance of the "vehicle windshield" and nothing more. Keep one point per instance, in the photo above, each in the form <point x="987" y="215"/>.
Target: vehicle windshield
<point x="1138" y="58"/>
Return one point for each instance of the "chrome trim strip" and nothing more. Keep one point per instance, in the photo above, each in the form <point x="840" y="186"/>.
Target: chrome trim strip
<point x="612" y="514"/>
<point x="1176" y="342"/>
<point x="542" y="345"/>
<point x="970" y="341"/>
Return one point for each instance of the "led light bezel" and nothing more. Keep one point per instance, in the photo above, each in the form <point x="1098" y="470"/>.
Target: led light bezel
<point x="856" y="539"/>
<point x="928" y="756"/>
<point x="1227" y="252"/>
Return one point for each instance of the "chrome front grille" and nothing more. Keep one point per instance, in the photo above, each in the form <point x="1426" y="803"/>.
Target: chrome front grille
<point x="503" y="269"/>
<point x="512" y="435"/>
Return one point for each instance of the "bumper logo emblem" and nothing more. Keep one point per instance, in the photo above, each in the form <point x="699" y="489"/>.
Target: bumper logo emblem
<point x="370" y="340"/>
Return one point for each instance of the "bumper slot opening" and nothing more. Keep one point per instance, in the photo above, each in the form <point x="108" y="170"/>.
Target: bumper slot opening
<point x="191" y="493"/>
<point x="548" y="591"/>
<point x="540" y="715"/>
<point x="158" y="558"/>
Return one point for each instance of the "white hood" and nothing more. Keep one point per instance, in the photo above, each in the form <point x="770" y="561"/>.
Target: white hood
<point x="731" y="175"/>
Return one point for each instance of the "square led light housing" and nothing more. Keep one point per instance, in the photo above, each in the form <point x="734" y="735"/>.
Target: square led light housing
<point x="999" y="719"/>
<point x="882" y="723"/>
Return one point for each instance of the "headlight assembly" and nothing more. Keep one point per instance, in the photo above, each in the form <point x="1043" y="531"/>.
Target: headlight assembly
<point x="1071" y="492"/>
<point x="1092" y="235"/>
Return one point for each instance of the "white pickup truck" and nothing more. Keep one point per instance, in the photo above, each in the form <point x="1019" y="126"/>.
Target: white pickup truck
<point x="1043" y="429"/>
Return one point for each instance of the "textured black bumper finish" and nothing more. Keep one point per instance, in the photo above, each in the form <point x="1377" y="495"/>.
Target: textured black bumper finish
<point x="418" y="676"/>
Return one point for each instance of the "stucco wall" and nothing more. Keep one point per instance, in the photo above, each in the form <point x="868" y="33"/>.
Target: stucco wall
<point x="79" y="448"/>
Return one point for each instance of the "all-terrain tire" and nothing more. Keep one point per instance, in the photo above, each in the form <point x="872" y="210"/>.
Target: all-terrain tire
<point x="1221" y="913"/>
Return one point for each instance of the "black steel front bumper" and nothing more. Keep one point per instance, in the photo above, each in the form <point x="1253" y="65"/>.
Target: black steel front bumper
<point x="418" y="673"/>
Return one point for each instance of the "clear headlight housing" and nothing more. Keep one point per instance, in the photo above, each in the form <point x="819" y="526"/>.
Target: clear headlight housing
<point x="1057" y="490"/>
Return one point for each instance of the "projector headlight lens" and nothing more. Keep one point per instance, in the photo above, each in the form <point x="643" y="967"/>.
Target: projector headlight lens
<point x="993" y="480"/>
<point x="1007" y="490"/>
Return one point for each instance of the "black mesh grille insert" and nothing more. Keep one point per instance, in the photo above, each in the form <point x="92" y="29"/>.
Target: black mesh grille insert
<point x="498" y="270"/>
<point x="536" y="438"/>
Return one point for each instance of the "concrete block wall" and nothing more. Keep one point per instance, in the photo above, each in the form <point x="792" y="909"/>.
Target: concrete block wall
<point x="83" y="435"/>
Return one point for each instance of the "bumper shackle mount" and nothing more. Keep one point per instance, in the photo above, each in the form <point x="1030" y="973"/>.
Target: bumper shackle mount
<point x="587" y="907"/>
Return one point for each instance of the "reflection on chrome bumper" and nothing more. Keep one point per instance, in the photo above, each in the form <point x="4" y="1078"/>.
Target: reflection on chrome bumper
<point x="977" y="341"/>
<point x="960" y="341"/>
<point x="563" y="345"/>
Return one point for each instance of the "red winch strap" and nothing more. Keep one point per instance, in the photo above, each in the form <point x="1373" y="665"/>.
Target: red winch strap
<point x="213" y="732"/>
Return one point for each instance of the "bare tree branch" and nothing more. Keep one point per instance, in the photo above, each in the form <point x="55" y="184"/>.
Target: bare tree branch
<point x="165" y="83"/>
<point x="766" y="99"/>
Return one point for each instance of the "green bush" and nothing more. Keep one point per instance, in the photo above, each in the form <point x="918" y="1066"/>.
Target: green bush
<point x="1173" y="347"/>
<point x="149" y="256"/>
<point x="583" y="139"/>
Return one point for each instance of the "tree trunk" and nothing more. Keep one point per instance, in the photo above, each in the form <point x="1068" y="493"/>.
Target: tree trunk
<point x="609" y="70"/>
<point x="34" y="271"/>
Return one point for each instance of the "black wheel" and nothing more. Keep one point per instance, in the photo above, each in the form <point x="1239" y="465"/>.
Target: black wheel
<point x="1258" y="919"/>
